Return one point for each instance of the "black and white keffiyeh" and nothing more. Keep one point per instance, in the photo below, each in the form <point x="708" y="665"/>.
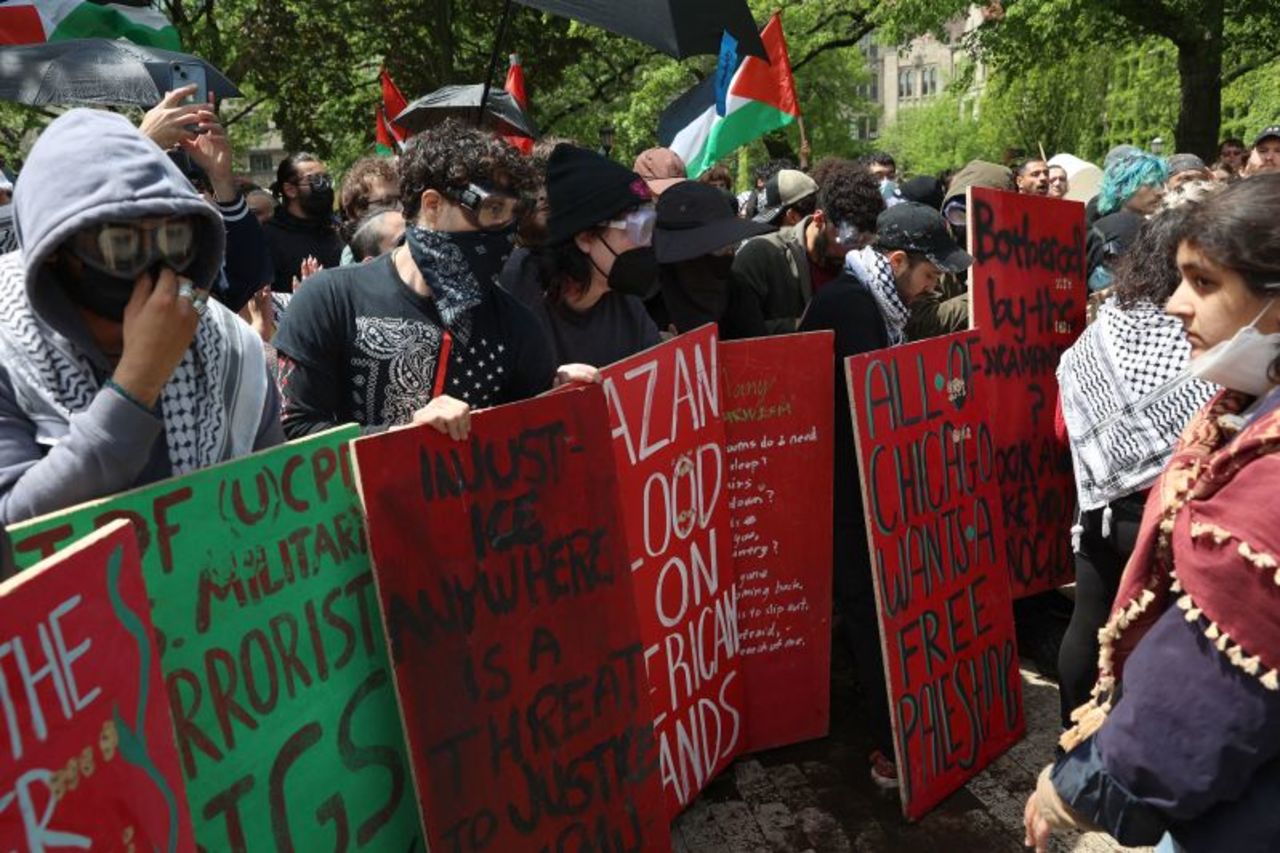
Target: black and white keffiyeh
<point x="212" y="405"/>
<point x="873" y="270"/>
<point x="1126" y="396"/>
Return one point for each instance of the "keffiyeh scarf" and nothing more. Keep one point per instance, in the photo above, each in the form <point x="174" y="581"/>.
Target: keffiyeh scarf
<point x="1126" y="395"/>
<point x="873" y="269"/>
<point x="212" y="405"/>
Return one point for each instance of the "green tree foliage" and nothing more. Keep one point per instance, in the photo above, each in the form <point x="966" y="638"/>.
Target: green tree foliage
<point x="1215" y="42"/>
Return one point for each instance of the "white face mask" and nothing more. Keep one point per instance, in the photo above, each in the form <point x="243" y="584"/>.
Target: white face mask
<point x="1242" y="363"/>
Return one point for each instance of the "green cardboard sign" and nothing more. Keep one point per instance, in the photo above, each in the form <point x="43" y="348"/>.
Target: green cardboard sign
<point x="274" y="659"/>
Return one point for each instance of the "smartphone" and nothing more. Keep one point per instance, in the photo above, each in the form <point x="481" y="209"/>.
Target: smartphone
<point x="186" y="73"/>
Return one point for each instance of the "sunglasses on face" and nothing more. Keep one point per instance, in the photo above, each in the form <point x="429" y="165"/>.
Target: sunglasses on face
<point x="318" y="181"/>
<point x="126" y="249"/>
<point x="638" y="224"/>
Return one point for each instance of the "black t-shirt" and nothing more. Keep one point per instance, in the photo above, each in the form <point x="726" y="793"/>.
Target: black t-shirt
<point x="614" y="328"/>
<point x="291" y="241"/>
<point x="357" y="344"/>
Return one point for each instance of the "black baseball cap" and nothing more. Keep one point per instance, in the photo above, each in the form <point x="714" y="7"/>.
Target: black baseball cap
<point x="1267" y="133"/>
<point x="696" y="219"/>
<point x="917" y="228"/>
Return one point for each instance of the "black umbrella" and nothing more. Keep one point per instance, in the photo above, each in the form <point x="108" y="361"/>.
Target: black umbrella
<point x="502" y="113"/>
<point x="678" y="28"/>
<point x="96" y="71"/>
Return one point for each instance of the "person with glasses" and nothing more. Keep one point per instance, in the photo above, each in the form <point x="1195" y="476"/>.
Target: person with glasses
<point x="868" y="307"/>
<point x="423" y="334"/>
<point x="597" y="266"/>
<point x="116" y="369"/>
<point x="775" y="276"/>
<point x="303" y="226"/>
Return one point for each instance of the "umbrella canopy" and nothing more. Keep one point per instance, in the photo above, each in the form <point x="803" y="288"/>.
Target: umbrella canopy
<point x="678" y="28"/>
<point x="98" y="72"/>
<point x="502" y="112"/>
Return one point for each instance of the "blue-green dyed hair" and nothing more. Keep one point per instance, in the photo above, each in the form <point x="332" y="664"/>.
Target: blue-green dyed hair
<point x="1125" y="177"/>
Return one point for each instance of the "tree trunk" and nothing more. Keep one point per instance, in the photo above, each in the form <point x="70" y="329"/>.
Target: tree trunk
<point x="1200" y="80"/>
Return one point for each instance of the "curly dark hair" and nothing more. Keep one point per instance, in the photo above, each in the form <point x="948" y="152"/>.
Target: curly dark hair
<point x="851" y="195"/>
<point x="828" y="165"/>
<point x="1148" y="271"/>
<point x="357" y="183"/>
<point x="453" y="155"/>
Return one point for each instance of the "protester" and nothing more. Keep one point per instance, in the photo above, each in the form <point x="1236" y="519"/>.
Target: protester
<point x="199" y="145"/>
<point x="1059" y="184"/>
<point x="1233" y="155"/>
<point x="882" y="166"/>
<point x="945" y="309"/>
<point x="1181" y="739"/>
<point x="1032" y="177"/>
<point x="369" y="184"/>
<point x="261" y="204"/>
<point x="303" y="225"/>
<point x="1114" y="156"/>
<point x="380" y="231"/>
<point x="1185" y="168"/>
<point x="776" y="275"/>
<point x="926" y="190"/>
<point x="1125" y="396"/>
<point x="719" y="177"/>
<point x="661" y="169"/>
<point x="115" y="368"/>
<point x="1132" y="188"/>
<point x="789" y="196"/>
<point x="755" y="200"/>
<point x="1265" y="156"/>
<point x="867" y="307"/>
<point x="696" y="235"/>
<point x="598" y="266"/>
<point x="422" y="334"/>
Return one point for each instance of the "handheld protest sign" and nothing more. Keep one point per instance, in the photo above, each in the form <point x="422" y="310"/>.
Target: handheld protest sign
<point x="778" y="424"/>
<point x="1027" y="299"/>
<point x="928" y="461"/>
<point x="276" y="669"/>
<point x="88" y="758"/>
<point x="502" y="574"/>
<point x="668" y="442"/>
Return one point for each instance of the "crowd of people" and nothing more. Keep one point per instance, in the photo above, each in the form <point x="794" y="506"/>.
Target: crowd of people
<point x="161" y="316"/>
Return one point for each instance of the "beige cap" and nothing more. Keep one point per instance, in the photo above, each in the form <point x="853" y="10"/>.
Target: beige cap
<point x="661" y="168"/>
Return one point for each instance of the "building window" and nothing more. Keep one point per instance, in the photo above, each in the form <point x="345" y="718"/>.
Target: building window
<point x="261" y="163"/>
<point x="929" y="81"/>
<point x="906" y="83"/>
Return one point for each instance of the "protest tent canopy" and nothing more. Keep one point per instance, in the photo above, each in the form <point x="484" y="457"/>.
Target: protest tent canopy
<point x="96" y="72"/>
<point x="1083" y="178"/>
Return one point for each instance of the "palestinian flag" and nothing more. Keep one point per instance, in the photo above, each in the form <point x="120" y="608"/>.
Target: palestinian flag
<point x="390" y="136"/>
<point x="515" y="88"/>
<point x="37" y="21"/>
<point x="743" y="101"/>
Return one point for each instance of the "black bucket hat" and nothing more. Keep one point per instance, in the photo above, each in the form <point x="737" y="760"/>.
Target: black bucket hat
<point x="696" y="219"/>
<point x="585" y="189"/>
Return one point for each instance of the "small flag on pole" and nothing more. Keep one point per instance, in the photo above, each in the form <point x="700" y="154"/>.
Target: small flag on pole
<point x="515" y="87"/>
<point x="390" y="137"/>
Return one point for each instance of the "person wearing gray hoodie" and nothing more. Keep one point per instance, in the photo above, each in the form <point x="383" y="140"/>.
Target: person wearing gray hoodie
<point x="115" y="368"/>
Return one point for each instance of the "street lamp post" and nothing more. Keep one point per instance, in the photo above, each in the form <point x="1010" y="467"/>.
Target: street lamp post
<point x="1157" y="146"/>
<point x="606" y="139"/>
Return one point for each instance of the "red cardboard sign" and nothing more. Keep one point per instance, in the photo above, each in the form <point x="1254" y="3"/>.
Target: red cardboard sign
<point x="87" y="757"/>
<point x="1028" y="300"/>
<point x="928" y="459"/>
<point x="668" y="440"/>
<point x="505" y="590"/>
<point x="778" y="423"/>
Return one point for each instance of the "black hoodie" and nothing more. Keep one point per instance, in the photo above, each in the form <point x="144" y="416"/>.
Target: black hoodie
<point x="293" y="240"/>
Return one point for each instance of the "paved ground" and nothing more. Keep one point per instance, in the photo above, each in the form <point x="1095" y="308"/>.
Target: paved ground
<point x="817" y="797"/>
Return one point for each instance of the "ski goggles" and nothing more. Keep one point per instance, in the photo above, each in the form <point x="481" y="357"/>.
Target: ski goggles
<point x="492" y="210"/>
<point x="638" y="224"/>
<point x="126" y="249"/>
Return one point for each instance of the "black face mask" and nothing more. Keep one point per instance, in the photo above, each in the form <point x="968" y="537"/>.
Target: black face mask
<point x="703" y="286"/>
<point x="634" y="273"/>
<point x="317" y="202"/>
<point x="101" y="293"/>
